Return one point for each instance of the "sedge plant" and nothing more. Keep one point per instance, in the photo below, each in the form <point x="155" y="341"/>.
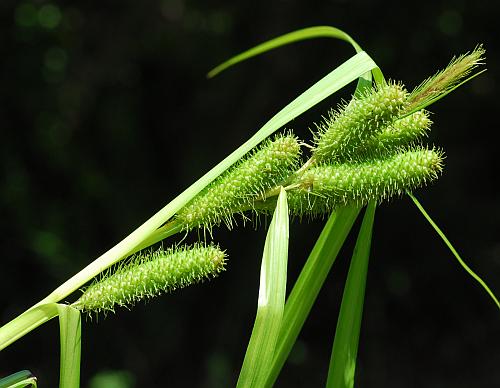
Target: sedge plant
<point x="366" y="150"/>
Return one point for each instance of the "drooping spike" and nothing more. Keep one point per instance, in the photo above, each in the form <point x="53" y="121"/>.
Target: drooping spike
<point x="324" y="188"/>
<point x="151" y="274"/>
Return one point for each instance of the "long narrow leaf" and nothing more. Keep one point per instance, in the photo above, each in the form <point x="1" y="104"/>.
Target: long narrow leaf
<point x="309" y="282"/>
<point x="271" y="302"/>
<point x="70" y="326"/>
<point x="297" y="36"/>
<point x="283" y="40"/>
<point x="454" y="251"/>
<point x="345" y="344"/>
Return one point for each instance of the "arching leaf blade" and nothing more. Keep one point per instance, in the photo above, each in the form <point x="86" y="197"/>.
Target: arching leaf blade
<point x="286" y="39"/>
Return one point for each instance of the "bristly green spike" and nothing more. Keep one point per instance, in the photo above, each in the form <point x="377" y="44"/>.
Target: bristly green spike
<point x="345" y="130"/>
<point x="324" y="188"/>
<point x="403" y="132"/>
<point x="236" y="190"/>
<point x="148" y="275"/>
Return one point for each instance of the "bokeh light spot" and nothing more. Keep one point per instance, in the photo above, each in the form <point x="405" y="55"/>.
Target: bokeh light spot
<point x="112" y="379"/>
<point x="26" y="15"/>
<point x="55" y="59"/>
<point x="49" y="16"/>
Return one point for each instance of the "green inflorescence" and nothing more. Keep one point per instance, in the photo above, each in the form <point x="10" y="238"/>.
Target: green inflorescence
<point x="150" y="274"/>
<point x="368" y="149"/>
<point x="236" y="190"/>
<point x="347" y="130"/>
<point x="364" y="152"/>
<point x="323" y="188"/>
<point x="401" y="133"/>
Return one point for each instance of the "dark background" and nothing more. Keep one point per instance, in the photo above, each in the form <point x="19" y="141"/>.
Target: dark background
<point x="106" y="115"/>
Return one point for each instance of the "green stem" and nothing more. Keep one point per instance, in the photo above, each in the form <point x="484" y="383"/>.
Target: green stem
<point x="454" y="251"/>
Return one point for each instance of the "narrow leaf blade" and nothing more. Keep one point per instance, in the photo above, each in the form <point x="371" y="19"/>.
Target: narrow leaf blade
<point x="70" y="326"/>
<point x="291" y="37"/>
<point x="309" y="283"/>
<point x="271" y="302"/>
<point x="345" y="345"/>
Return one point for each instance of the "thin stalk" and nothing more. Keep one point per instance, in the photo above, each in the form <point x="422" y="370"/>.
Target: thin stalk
<point x="454" y="251"/>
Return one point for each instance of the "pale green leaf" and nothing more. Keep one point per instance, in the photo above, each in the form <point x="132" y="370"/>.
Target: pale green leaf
<point x="271" y="300"/>
<point x="70" y="326"/>
<point x="297" y="36"/>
